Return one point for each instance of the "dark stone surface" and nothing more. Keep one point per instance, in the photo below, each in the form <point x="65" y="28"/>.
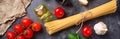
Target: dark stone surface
<point x="112" y="20"/>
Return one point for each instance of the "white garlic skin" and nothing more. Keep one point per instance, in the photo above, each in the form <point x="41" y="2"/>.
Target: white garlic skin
<point x="100" y="28"/>
<point x="84" y="2"/>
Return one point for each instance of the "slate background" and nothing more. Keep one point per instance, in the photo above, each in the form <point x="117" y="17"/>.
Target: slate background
<point x="112" y="20"/>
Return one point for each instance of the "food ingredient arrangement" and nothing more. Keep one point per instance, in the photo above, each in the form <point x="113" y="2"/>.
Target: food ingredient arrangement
<point x="26" y="28"/>
<point x="53" y="27"/>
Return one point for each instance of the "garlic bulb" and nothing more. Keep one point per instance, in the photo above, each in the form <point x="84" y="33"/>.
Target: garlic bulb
<point x="100" y="28"/>
<point x="84" y="2"/>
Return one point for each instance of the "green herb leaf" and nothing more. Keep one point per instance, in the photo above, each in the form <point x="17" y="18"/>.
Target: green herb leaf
<point x="84" y="38"/>
<point x="73" y="36"/>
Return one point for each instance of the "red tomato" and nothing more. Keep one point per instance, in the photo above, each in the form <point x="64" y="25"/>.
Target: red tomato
<point x="10" y="35"/>
<point x="26" y="22"/>
<point x="20" y="37"/>
<point x="87" y="31"/>
<point x="59" y="12"/>
<point x="28" y="33"/>
<point x="18" y="28"/>
<point x="36" y="26"/>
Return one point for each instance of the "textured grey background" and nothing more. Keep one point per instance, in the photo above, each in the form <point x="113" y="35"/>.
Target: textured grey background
<point x="112" y="20"/>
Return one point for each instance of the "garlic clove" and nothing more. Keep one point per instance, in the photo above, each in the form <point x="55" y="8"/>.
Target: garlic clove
<point x="84" y="2"/>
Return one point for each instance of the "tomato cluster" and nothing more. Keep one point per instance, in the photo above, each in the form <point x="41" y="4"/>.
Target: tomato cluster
<point x="25" y="30"/>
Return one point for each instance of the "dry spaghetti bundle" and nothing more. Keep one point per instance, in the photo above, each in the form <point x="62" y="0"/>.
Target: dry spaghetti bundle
<point x="57" y="25"/>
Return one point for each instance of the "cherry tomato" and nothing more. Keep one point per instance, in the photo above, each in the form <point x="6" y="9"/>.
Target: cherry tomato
<point x="59" y="12"/>
<point x="10" y="35"/>
<point x="28" y="33"/>
<point x="18" y="28"/>
<point x="20" y="37"/>
<point x="87" y="31"/>
<point x="36" y="26"/>
<point x="26" y="22"/>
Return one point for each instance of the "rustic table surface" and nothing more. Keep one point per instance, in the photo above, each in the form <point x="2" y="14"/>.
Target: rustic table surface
<point x="73" y="7"/>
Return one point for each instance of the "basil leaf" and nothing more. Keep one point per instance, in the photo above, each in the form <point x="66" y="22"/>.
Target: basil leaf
<point x="84" y="38"/>
<point x="73" y="36"/>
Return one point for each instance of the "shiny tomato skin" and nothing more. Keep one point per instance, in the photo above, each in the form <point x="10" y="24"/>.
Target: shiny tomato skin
<point x="36" y="26"/>
<point x="59" y="12"/>
<point x="18" y="28"/>
<point x="87" y="31"/>
<point x="26" y="22"/>
<point x="10" y="35"/>
<point x="28" y="33"/>
<point x="20" y="37"/>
